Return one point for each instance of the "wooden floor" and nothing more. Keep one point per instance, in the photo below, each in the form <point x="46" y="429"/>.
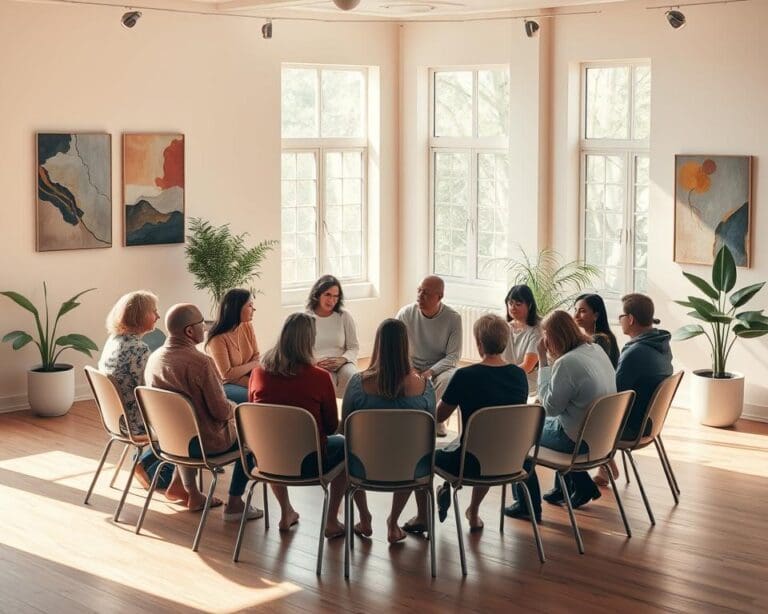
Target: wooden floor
<point x="708" y="554"/>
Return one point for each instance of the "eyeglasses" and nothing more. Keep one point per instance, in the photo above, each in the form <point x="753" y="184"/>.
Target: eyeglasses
<point x="196" y="323"/>
<point x="623" y="315"/>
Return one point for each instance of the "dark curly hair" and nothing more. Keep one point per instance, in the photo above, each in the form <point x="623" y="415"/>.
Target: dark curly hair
<point x="321" y="285"/>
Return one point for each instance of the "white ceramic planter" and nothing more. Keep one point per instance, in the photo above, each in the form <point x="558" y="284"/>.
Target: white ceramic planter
<point x="51" y="393"/>
<point x="717" y="402"/>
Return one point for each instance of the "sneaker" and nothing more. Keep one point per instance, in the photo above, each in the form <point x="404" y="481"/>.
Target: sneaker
<point x="253" y="513"/>
<point x="441" y="430"/>
<point x="443" y="501"/>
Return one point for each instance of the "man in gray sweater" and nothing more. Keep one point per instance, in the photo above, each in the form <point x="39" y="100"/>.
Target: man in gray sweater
<point x="434" y="333"/>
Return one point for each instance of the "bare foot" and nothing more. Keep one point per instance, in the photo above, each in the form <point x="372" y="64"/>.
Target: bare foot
<point x="475" y="522"/>
<point x="197" y="505"/>
<point x="334" y="529"/>
<point x="176" y="492"/>
<point x="141" y="477"/>
<point x="286" y="522"/>
<point x="364" y="527"/>
<point x="395" y="533"/>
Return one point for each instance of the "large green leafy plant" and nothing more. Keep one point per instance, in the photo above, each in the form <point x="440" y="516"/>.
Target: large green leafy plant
<point x="554" y="283"/>
<point x="718" y="310"/>
<point x="220" y="260"/>
<point x="47" y="342"/>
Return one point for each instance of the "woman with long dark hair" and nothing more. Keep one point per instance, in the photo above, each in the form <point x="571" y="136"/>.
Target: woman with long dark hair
<point x="336" y="346"/>
<point x="232" y="343"/>
<point x="524" y="332"/>
<point x="590" y="314"/>
<point x="389" y="382"/>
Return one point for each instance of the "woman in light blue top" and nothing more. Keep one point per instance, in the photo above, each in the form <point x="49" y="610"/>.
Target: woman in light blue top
<point x="388" y="383"/>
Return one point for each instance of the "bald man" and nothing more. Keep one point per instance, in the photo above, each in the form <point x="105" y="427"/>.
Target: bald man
<point x="434" y="334"/>
<point x="180" y="367"/>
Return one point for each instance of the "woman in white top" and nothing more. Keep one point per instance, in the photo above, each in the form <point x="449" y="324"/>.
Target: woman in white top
<point x="524" y="333"/>
<point x="336" y="346"/>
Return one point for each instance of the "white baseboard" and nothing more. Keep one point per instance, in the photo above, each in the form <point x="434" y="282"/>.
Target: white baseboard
<point x="20" y="402"/>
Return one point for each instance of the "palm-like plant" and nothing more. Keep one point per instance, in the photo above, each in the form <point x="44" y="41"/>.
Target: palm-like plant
<point x="220" y="260"/>
<point x="49" y="345"/>
<point x="718" y="311"/>
<point x="554" y="283"/>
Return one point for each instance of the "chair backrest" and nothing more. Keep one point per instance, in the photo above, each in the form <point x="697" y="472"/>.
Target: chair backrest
<point x="604" y="423"/>
<point x="280" y="437"/>
<point x="171" y="421"/>
<point x="501" y="438"/>
<point x="389" y="446"/>
<point x="108" y="400"/>
<point x="658" y="408"/>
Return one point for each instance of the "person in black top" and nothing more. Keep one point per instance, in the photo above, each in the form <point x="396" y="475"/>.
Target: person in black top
<point x="491" y="382"/>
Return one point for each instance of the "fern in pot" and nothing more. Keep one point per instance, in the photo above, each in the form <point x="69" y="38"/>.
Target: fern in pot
<point x="717" y="394"/>
<point x="50" y="384"/>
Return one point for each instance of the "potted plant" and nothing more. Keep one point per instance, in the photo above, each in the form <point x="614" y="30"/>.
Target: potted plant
<point x="554" y="283"/>
<point x="50" y="385"/>
<point x="717" y="395"/>
<point x="220" y="260"/>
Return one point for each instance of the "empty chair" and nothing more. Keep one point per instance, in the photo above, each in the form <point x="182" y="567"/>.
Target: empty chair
<point x="653" y="423"/>
<point x="602" y="426"/>
<point x="285" y="442"/>
<point x="500" y="439"/>
<point x="389" y="450"/>
<point x="172" y="423"/>
<point x="110" y="411"/>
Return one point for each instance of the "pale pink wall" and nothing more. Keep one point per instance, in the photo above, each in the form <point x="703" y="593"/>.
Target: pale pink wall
<point x="73" y="68"/>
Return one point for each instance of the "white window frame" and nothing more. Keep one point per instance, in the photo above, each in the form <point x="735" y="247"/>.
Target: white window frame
<point x="295" y="293"/>
<point x="470" y="288"/>
<point x="630" y="149"/>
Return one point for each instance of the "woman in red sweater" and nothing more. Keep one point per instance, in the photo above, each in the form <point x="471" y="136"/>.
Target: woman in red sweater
<point x="286" y="376"/>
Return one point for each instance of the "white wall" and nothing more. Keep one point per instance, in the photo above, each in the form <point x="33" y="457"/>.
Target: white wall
<point x="74" y="68"/>
<point x="709" y="96"/>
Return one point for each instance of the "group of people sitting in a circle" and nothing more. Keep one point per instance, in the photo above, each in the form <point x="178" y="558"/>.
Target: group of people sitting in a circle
<point x="563" y="362"/>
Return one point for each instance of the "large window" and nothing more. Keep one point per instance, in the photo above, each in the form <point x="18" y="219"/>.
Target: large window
<point x="616" y="112"/>
<point x="470" y="174"/>
<point x="324" y="161"/>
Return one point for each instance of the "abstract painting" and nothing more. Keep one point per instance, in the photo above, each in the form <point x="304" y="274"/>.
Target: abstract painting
<point x="153" y="188"/>
<point x="713" y="202"/>
<point x="74" y="191"/>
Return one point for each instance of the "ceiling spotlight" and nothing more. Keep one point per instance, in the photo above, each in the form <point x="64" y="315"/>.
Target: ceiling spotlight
<point x="266" y="29"/>
<point x="531" y="28"/>
<point x="675" y="18"/>
<point x="130" y="18"/>
<point x="346" y="5"/>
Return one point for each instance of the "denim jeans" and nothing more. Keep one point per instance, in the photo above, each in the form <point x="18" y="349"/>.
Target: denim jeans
<point x="239" y="478"/>
<point x="236" y="393"/>
<point x="150" y="464"/>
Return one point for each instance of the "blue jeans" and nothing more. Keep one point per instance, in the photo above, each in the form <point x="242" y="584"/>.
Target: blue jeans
<point x="236" y="393"/>
<point x="150" y="464"/>
<point x="239" y="478"/>
<point x="334" y="454"/>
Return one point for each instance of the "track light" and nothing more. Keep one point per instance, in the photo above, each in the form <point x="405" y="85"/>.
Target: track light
<point x="130" y="18"/>
<point x="266" y="29"/>
<point x="346" y="5"/>
<point x="675" y="18"/>
<point x="531" y="28"/>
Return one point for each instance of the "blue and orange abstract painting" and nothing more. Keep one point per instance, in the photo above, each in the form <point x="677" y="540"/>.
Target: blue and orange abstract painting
<point x="713" y="202"/>
<point x="153" y="188"/>
<point x="74" y="191"/>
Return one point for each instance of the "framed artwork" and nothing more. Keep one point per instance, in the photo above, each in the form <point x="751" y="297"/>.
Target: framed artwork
<point x="74" y="191"/>
<point x="153" y="189"/>
<point x="713" y="207"/>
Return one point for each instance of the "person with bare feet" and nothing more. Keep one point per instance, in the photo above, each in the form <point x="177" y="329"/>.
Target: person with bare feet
<point x="389" y="382"/>
<point x="287" y="376"/>
<point x="491" y="382"/>
<point x="180" y="367"/>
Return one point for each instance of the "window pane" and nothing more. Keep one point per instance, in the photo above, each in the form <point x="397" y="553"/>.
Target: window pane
<point x="453" y="103"/>
<point x="299" y="103"/>
<point x="493" y="196"/>
<point x="493" y="102"/>
<point x="344" y="213"/>
<point x="298" y="217"/>
<point x="642" y="102"/>
<point x="607" y="104"/>
<point x="594" y="225"/>
<point x="343" y="103"/>
<point x="452" y="172"/>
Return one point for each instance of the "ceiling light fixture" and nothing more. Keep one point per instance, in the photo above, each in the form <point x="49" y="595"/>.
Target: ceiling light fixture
<point x="531" y="28"/>
<point x="675" y="18"/>
<point x="130" y="18"/>
<point x="266" y="29"/>
<point x="346" y="5"/>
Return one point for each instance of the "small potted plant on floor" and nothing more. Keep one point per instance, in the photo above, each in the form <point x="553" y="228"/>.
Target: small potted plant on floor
<point x="717" y="395"/>
<point x="50" y="385"/>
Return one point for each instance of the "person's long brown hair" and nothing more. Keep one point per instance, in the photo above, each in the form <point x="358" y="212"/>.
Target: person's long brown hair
<point x="562" y="333"/>
<point x="390" y="362"/>
<point x="294" y="347"/>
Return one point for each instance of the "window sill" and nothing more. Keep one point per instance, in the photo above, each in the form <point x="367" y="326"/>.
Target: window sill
<point x="297" y="297"/>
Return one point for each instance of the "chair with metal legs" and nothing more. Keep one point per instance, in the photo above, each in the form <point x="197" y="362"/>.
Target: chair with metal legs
<point x="501" y="438"/>
<point x="111" y="409"/>
<point x="601" y="428"/>
<point x="652" y="424"/>
<point x="171" y="420"/>
<point x="389" y="450"/>
<point x="283" y="439"/>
